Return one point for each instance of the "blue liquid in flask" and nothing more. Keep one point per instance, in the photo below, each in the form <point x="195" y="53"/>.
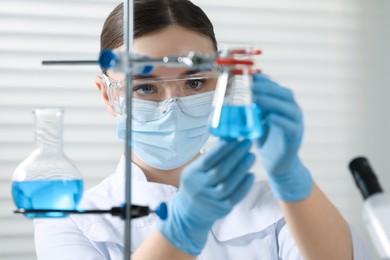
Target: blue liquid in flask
<point x="47" y="194"/>
<point x="239" y="122"/>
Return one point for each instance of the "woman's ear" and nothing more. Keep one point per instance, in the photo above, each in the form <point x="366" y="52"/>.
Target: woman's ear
<point x="102" y="89"/>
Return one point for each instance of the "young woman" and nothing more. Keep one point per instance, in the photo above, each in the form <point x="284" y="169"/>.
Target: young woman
<point x="215" y="209"/>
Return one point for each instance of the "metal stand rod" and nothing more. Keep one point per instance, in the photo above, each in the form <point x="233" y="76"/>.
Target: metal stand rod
<point x="128" y="27"/>
<point x="70" y="62"/>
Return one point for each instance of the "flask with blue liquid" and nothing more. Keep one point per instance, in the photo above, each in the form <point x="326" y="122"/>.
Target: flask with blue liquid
<point x="47" y="179"/>
<point x="234" y="114"/>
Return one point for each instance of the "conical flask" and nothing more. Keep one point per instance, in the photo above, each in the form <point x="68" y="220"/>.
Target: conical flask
<point x="47" y="179"/>
<point x="234" y="114"/>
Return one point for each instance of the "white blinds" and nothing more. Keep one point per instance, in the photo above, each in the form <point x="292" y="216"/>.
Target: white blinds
<point x="311" y="46"/>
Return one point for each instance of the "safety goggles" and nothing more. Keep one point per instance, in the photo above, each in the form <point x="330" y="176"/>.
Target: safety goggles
<point x="194" y="106"/>
<point x="159" y="89"/>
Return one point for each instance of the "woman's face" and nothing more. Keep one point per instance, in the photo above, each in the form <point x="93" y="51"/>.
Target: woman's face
<point x="168" y="82"/>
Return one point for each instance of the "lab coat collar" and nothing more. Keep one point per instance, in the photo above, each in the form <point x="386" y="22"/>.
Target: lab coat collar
<point x="142" y="192"/>
<point x="259" y="209"/>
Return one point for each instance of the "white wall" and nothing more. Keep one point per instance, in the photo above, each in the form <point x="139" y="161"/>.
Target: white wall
<point x="316" y="47"/>
<point x="379" y="71"/>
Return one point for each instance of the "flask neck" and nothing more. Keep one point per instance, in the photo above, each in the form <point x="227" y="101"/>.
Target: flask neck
<point x="48" y="129"/>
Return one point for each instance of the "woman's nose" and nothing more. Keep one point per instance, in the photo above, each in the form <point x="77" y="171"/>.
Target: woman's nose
<point x="172" y="90"/>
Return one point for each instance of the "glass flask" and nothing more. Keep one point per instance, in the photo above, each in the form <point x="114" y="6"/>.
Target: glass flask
<point x="47" y="179"/>
<point x="234" y="114"/>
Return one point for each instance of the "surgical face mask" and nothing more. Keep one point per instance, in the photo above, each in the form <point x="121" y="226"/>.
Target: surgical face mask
<point x="168" y="134"/>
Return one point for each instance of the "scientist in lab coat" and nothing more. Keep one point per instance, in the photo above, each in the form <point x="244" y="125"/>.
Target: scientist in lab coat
<point x="216" y="210"/>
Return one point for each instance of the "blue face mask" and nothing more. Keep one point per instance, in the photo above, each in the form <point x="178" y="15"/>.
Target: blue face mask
<point x="168" y="134"/>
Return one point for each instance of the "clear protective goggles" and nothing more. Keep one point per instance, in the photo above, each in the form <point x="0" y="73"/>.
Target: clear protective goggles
<point x="194" y="106"/>
<point x="156" y="92"/>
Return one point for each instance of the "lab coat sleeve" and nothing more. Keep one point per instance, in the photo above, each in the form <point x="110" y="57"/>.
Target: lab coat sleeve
<point x="62" y="239"/>
<point x="360" y="247"/>
<point x="289" y="250"/>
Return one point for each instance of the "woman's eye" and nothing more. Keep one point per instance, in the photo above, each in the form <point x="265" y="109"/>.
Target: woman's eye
<point x="144" y="89"/>
<point x="195" y="84"/>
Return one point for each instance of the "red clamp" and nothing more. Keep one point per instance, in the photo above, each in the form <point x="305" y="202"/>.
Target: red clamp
<point x="245" y="52"/>
<point x="231" y="61"/>
<point x="240" y="71"/>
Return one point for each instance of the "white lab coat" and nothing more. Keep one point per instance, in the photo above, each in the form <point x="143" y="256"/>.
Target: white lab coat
<point x="255" y="229"/>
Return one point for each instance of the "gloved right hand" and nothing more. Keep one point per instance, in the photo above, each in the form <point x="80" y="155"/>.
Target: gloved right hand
<point x="209" y="189"/>
<point x="289" y="179"/>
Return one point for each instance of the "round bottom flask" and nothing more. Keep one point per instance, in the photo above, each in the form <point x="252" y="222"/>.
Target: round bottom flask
<point x="47" y="179"/>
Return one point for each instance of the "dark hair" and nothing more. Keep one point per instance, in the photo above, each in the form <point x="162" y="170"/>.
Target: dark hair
<point x="153" y="15"/>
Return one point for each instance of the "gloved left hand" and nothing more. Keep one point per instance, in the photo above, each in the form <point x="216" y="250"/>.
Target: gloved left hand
<point x="289" y="180"/>
<point x="209" y="189"/>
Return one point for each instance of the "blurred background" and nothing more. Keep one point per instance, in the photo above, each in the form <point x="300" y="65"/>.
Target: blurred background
<point x="332" y="53"/>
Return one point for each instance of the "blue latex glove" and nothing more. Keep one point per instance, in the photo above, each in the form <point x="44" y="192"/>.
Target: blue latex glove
<point x="209" y="189"/>
<point x="289" y="180"/>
